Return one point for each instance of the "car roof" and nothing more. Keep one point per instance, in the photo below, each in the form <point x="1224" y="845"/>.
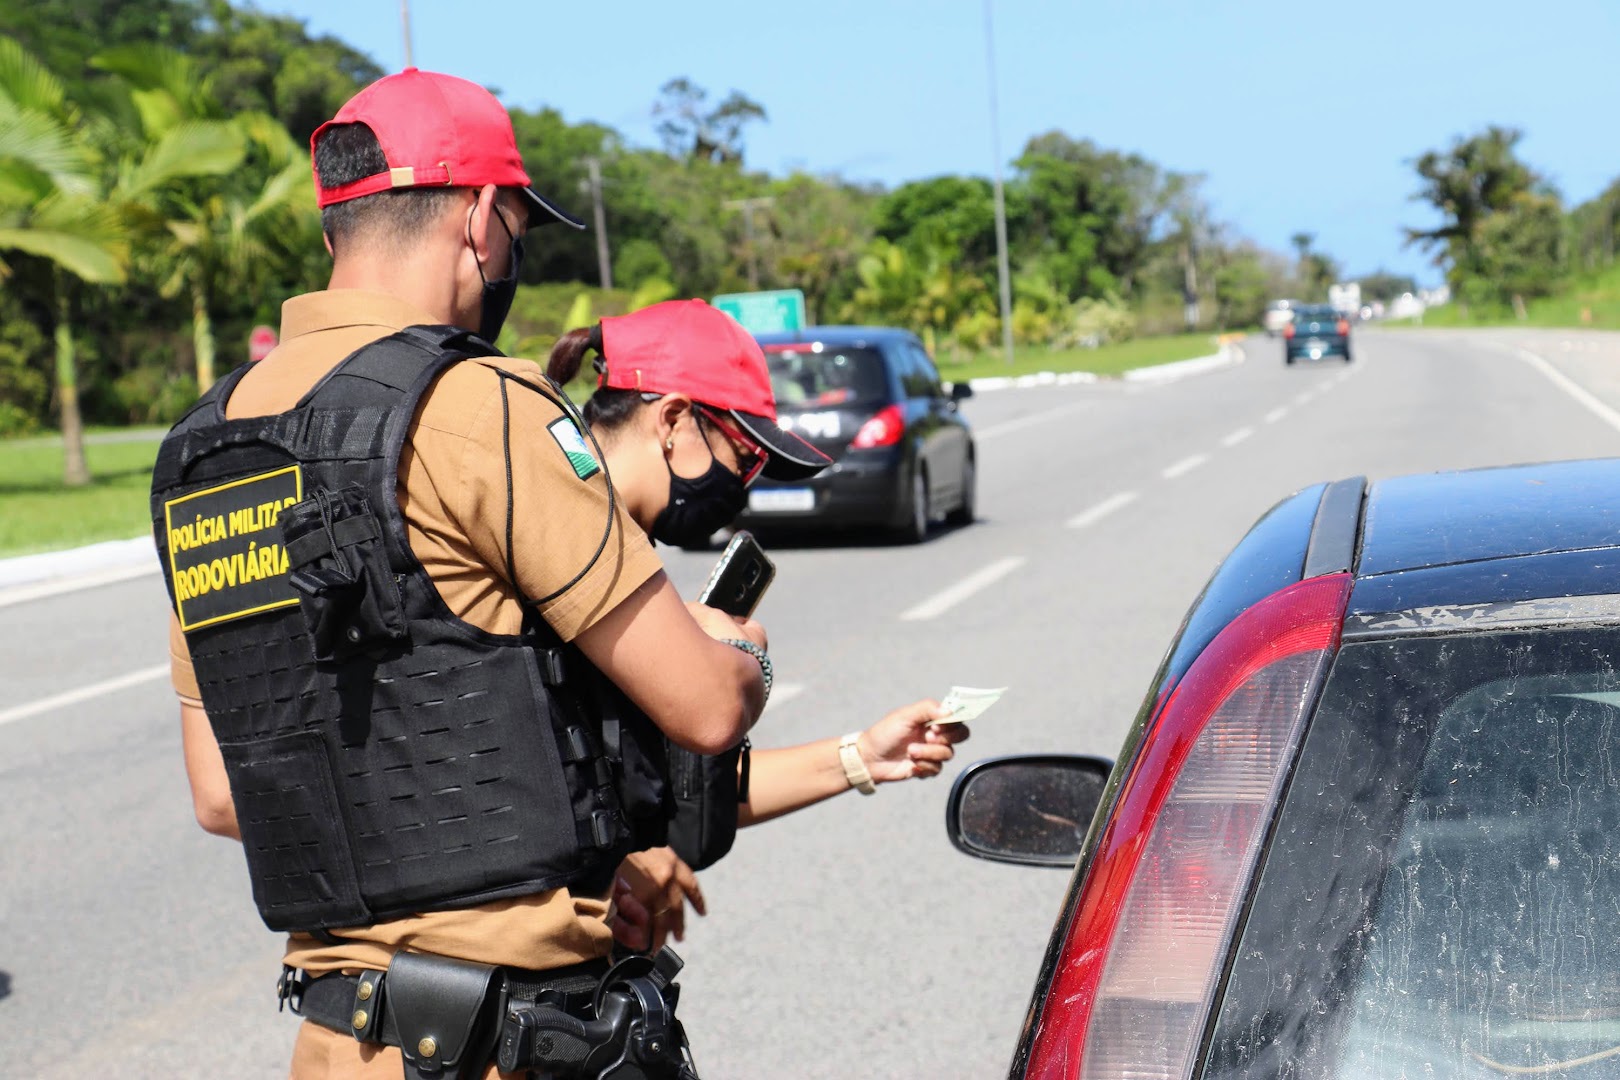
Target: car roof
<point x="1490" y="535"/>
<point x="839" y="335"/>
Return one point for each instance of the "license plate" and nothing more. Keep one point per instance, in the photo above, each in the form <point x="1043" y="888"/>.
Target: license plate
<point x="781" y="500"/>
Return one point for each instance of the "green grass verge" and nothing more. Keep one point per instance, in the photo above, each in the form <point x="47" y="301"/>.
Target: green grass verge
<point x="1106" y="360"/>
<point x="38" y="513"/>
<point x="1586" y="303"/>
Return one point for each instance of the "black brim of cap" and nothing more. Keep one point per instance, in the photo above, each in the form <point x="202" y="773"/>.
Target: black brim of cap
<point x="791" y="458"/>
<point x="543" y="211"/>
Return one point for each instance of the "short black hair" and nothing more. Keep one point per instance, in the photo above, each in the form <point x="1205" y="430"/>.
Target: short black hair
<point x="349" y="152"/>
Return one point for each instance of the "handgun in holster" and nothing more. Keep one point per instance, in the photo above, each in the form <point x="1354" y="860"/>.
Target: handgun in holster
<point x="633" y="1034"/>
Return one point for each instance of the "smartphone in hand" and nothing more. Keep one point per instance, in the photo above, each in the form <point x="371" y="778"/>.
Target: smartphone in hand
<point x="740" y="578"/>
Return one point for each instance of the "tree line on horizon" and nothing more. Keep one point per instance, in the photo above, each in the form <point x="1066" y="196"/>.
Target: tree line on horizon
<point x="155" y="204"/>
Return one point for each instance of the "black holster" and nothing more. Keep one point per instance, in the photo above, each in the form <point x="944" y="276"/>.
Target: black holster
<point x="632" y="1033"/>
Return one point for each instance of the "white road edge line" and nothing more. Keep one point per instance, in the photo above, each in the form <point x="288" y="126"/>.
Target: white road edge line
<point x="84" y="693"/>
<point x="1096" y="513"/>
<point x="1237" y="436"/>
<point x="1184" y="466"/>
<point x="945" y="599"/>
<point x="1276" y="414"/>
<point x="1574" y="389"/>
<point x="22" y="594"/>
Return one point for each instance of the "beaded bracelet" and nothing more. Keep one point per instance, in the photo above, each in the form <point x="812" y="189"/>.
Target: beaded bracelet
<point x="758" y="654"/>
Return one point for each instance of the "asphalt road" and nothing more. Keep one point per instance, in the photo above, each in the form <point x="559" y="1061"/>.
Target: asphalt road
<point x="848" y="940"/>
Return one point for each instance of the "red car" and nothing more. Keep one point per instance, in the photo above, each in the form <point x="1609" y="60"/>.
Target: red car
<point x="1366" y="825"/>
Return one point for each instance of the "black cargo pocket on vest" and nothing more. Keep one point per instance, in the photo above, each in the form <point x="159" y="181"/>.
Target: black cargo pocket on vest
<point x="339" y="565"/>
<point x="297" y="850"/>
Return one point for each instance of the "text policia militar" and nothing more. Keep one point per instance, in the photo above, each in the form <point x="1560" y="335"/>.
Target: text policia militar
<point x="225" y="548"/>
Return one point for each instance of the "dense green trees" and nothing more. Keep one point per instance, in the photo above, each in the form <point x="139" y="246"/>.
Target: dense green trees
<point x="155" y="204"/>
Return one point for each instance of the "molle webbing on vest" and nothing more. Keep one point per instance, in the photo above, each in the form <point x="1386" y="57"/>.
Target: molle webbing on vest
<point x="384" y="756"/>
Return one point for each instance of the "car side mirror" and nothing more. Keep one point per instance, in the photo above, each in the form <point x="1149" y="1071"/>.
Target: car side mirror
<point x="1029" y="809"/>
<point x="961" y="391"/>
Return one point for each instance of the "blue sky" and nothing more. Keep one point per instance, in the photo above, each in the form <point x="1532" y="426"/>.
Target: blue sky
<point x="1302" y="115"/>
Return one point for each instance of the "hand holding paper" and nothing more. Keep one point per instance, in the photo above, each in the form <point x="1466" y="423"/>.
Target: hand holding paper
<point x="967" y="703"/>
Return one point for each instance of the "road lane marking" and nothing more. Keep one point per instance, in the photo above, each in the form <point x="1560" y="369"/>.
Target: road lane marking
<point x="84" y="693"/>
<point x="1304" y="399"/>
<point x="1184" y="466"/>
<point x="782" y="693"/>
<point x="945" y="599"/>
<point x="22" y="594"/>
<point x="1573" y="389"/>
<point x="1276" y="414"/>
<point x="1237" y="436"/>
<point x="1007" y="427"/>
<point x="1096" y="513"/>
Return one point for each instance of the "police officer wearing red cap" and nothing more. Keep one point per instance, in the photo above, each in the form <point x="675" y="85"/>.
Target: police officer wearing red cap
<point x="686" y="414"/>
<point x="426" y="662"/>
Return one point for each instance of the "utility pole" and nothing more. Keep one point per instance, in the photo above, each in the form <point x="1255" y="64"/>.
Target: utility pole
<point x="1003" y="271"/>
<point x="604" y="264"/>
<point x="747" y="206"/>
<point x="405" y="27"/>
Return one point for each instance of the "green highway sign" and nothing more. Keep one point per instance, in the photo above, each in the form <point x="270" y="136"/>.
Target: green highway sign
<point x="775" y="312"/>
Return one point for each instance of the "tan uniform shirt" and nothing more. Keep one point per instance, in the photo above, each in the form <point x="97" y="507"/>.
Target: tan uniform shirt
<point x="452" y="489"/>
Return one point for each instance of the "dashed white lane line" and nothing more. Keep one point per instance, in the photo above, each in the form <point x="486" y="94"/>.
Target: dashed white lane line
<point x="1096" y="513"/>
<point x="1303" y="399"/>
<point x="1237" y="436"/>
<point x="1276" y="414"/>
<point x="1007" y="427"/>
<point x="945" y="599"/>
<point x="1184" y="466"/>
<point x="1573" y="389"/>
<point x="84" y="693"/>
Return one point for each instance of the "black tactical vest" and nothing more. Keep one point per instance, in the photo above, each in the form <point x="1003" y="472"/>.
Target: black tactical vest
<point x="384" y="757"/>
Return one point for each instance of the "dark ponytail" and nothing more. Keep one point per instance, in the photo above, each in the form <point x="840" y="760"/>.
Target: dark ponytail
<point x="607" y="409"/>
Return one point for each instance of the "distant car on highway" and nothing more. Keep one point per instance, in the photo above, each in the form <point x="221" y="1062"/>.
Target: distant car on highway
<point x="1278" y="315"/>
<point x="1367" y="822"/>
<point x="871" y="399"/>
<point x="1317" y="331"/>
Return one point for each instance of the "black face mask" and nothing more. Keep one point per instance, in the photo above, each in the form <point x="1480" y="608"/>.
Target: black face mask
<point x="498" y="294"/>
<point x="699" y="508"/>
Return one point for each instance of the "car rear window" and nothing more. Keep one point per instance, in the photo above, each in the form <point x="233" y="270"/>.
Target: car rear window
<point x="824" y="377"/>
<point x="1441" y="895"/>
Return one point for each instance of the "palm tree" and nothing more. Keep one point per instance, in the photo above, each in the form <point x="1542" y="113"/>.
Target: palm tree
<point x="49" y="209"/>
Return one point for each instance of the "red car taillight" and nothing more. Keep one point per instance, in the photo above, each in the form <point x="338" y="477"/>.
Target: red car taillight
<point x="1288" y="331"/>
<point x="883" y="429"/>
<point x="1131" y="993"/>
<point x="1344" y="327"/>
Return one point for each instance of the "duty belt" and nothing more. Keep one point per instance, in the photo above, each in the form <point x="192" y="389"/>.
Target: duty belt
<point x="450" y="1017"/>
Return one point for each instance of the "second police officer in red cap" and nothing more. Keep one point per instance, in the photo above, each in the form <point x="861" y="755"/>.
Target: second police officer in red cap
<point x="426" y="664"/>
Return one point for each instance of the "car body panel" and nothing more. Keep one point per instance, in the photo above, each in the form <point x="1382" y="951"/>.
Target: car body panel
<point x="868" y="486"/>
<point x="1467" y="560"/>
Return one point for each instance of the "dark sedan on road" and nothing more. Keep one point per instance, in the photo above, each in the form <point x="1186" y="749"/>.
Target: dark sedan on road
<point x="1367" y="822"/>
<point x="1317" y="332"/>
<point x="871" y="399"/>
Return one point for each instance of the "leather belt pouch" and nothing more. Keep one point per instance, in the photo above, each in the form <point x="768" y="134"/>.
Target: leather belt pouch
<point x="445" y="1013"/>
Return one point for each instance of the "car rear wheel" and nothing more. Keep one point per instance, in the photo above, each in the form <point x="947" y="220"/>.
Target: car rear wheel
<point x="915" y="530"/>
<point x="967" y="509"/>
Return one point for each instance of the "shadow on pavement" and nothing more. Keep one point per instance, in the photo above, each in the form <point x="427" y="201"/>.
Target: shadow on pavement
<point x="5" y="985"/>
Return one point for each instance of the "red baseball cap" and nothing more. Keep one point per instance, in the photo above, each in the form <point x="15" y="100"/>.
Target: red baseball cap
<point x="436" y="130"/>
<point x="687" y="347"/>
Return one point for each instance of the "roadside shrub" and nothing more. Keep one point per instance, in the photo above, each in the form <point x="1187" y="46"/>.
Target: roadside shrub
<point x="148" y="395"/>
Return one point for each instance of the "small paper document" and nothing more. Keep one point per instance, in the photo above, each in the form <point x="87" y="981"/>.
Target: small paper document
<point x="966" y="703"/>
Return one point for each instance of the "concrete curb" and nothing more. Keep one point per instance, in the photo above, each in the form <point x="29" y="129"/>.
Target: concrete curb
<point x="111" y="557"/>
<point x="1156" y="373"/>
